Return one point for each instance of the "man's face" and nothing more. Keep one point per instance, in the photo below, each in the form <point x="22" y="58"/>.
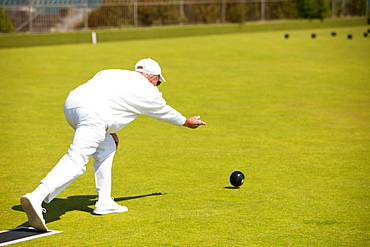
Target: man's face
<point x="154" y="79"/>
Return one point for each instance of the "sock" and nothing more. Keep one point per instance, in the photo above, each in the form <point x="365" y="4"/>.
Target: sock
<point x="105" y="200"/>
<point x="41" y="192"/>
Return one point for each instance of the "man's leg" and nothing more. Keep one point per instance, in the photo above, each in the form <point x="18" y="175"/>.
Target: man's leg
<point x="104" y="156"/>
<point x="90" y="132"/>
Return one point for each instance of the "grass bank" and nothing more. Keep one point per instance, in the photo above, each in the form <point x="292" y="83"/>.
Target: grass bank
<point x="45" y="39"/>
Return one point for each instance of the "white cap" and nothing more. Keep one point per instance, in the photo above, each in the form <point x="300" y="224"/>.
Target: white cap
<point x="150" y="67"/>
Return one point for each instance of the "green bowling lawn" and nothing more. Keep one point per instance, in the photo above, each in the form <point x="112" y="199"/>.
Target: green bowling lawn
<point x="292" y="114"/>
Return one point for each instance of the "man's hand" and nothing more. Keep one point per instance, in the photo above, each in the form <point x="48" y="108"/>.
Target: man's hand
<point x="115" y="138"/>
<point x="194" y="122"/>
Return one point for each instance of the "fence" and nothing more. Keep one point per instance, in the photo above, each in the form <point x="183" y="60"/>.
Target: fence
<point x="68" y="15"/>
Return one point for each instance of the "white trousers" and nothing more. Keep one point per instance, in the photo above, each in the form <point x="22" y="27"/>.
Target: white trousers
<point x="90" y="139"/>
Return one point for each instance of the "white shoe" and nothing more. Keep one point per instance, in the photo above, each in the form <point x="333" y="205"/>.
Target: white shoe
<point x="34" y="212"/>
<point x="109" y="208"/>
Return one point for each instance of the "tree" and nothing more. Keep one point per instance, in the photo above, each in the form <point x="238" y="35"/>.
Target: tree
<point x="6" y="24"/>
<point x="311" y="9"/>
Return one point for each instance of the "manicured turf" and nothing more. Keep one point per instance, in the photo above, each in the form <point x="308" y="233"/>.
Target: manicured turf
<point x="292" y="114"/>
<point x="123" y="34"/>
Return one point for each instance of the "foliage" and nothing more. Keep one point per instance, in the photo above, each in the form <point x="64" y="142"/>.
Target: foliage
<point x="204" y="13"/>
<point x="158" y="15"/>
<point x="6" y="24"/>
<point x="282" y="10"/>
<point x="357" y="7"/>
<point x="114" y="13"/>
<point x="110" y="15"/>
<point x="236" y="13"/>
<point x="311" y="9"/>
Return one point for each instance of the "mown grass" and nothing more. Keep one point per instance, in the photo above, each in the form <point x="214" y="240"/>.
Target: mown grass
<point x="292" y="114"/>
<point x="124" y="34"/>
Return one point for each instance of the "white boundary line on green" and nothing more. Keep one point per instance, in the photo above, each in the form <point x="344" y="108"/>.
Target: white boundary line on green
<point x="48" y="233"/>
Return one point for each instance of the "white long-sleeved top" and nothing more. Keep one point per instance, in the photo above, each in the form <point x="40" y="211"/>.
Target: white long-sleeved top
<point x="120" y="96"/>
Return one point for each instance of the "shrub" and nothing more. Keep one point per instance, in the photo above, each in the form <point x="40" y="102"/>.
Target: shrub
<point x="311" y="9"/>
<point x="237" y="12"/>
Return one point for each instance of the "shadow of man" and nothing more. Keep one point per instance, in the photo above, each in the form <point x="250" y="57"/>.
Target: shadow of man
<point x="59" y="206"/>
